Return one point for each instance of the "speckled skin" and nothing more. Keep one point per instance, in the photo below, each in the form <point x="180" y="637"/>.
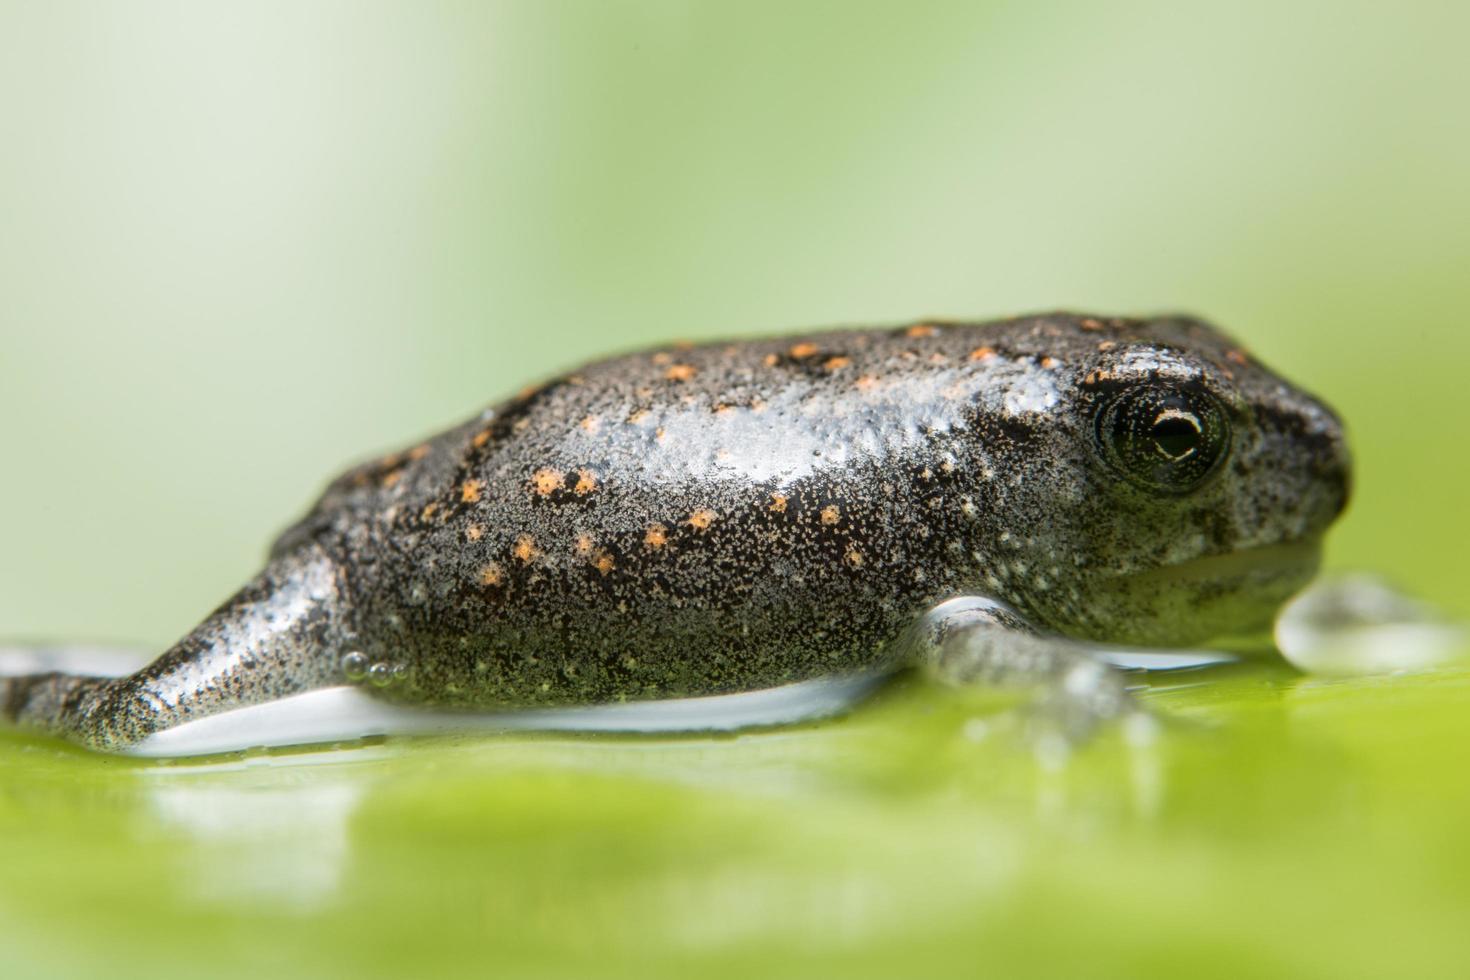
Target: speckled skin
<point x="708" y="519"/>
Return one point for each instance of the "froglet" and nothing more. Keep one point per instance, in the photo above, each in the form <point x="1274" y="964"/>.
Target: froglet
<point x="986" y="501"/>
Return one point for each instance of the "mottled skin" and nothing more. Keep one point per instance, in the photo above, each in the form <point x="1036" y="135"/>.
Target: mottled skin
<point x="710" y="519"/>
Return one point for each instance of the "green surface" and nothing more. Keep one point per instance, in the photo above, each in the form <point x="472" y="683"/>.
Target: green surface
<point x="244" y="245"/>
<point x="1277" y="827"/>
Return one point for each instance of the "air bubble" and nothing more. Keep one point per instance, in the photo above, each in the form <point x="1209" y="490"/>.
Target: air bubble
<point x="380" y="675"/>
<point x="354" y="666"/>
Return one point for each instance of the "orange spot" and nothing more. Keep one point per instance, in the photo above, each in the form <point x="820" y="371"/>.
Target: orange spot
<point x="662" y="358"/>
<point x="586" y="482"/>
<point x="391" y="480"/>
<point x="590" y="424"/>
<point x="836" y="363"/>
<point x="428" y="512"/>
<point x="778" y="503"/>
<point x="938" y="358"/>
<point x="604" y="563"/>
<point x="758" y="406"/>
<point x="475" y="532"/>
<point x="921" y="330"/>
<point x="576" y="379"/>
<point x="656" y="536"/>
<point x="1088" y="323"/>
<point x="831" y="514"/>
<point x="1049" y="362"/>
<point x="701" y="519"/>
<point x="1237" y="356"/>
<point x="854" y="558"/>
<point x="659" y="433"/>
<point x="492" y="574"/>
<point x="638" y="417"/>
<point x="527" y="392"/>
<point x="770" y="360"/>
<point x="1106" y="345"/>
<point x="480" y="439"/>
<point x="525" y="548"/>
<point x="866" y="383"/>
<point x="584" y="544"/>
<point x="982" y="353"/>
<point x="470" y="492"/>
<point x="799" y="351"/>
<point x="546" y="481"/>
<point x="418" y="452"/>
<point x="724" y="409"/>
<point x="681" y="372"/>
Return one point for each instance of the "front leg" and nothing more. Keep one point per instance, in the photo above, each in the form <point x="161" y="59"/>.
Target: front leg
<point x="976" y="640"/>
<point x="281" y="634"/>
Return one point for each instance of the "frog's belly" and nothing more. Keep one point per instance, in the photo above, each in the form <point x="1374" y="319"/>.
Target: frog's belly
<point x="343" y="713"/>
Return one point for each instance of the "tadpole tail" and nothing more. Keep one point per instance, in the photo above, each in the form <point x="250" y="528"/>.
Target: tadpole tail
<point x="45" y="701"/>
<point x="279" y="635"/>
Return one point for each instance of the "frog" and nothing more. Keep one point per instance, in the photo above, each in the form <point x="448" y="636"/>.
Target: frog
<point x="989" y="502"/>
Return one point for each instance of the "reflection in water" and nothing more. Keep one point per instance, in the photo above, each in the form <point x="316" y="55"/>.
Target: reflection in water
<point x="275" y="830"/>
<point x="823" y="815"/>
<point x="270" y="830"/>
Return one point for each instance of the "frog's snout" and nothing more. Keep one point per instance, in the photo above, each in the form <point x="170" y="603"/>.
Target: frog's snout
<point x="1337" y="473"/>
<point x="1323" y="442"/>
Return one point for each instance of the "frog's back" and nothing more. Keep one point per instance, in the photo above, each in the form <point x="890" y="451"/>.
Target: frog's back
<point x="695" y="519"/>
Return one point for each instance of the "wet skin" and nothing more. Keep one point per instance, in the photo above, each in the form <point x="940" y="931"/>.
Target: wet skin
<point x="980" y="498"/>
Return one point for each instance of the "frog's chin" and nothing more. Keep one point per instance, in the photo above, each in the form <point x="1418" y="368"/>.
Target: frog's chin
<point x="1193" y="601"/>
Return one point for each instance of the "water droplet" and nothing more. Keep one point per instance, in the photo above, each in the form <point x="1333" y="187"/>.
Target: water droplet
<point x="1357" y="626"/>
<point x="398" y="673"/>
<point x="354" y="666"/>
<point x="380" y="675"/>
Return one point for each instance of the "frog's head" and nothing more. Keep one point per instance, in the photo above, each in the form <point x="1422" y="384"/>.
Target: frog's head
<point x="1198" y="482"/>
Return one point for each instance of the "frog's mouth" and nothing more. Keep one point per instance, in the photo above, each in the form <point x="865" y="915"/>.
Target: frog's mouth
<point x="1198" y="599"/>
<point x="1296" y="560"/>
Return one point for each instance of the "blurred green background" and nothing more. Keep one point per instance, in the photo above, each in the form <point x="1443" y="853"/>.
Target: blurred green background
<point x="244" y="245"/>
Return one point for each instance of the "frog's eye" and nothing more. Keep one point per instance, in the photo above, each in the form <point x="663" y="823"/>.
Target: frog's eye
<point x="1163" y="437"/>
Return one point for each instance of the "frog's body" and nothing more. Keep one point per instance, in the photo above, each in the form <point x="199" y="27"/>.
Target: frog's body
<point x="730" y="517"/>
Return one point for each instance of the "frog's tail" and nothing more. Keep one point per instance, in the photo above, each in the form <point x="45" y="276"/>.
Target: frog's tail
<point x="280" y="635"/>
<point x="44" y="700"/>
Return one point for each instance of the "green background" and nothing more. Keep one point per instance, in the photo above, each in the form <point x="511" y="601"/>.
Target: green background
<point x="242" y="246"/>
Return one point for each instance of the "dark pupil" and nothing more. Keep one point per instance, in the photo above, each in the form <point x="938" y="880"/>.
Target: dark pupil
<point x="1176" y="436"/>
